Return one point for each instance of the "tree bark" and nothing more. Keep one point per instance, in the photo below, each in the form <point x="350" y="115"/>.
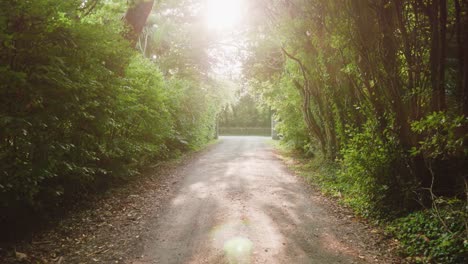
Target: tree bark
<point x="312" y="124"/>
<point x="461" y="24"/>
<point x="136" y="17"/>
<point x="438" y="20"/>
<point x="443" y="54"/>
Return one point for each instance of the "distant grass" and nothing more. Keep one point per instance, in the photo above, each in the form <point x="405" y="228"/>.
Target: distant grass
<point x="245" y="131"/>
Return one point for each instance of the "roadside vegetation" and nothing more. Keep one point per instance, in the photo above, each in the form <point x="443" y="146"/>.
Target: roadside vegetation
<point x="245" y="116"/>
<point x="375" y="93"/>
<point x="88" y="99"/>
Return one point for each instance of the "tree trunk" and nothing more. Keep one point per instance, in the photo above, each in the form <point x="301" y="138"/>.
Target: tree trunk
<point x="461" y="24"/>
<point x="136" y="17"/>
<point x="438" y="19"/>
<point x="443" y="54"/>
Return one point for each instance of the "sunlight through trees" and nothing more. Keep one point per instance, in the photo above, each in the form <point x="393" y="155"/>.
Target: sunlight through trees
<point x="92" y="91"/>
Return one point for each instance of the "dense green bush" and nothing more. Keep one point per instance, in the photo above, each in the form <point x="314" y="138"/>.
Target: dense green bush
<point x="59" y="90"/>
<point x="246" y="112"/>
<point x="79" y="107"/>
<point x="368" y="170"/>
<point x="287" y="112"/>
<point x="435" y="235"/>
<point x="194" y="113"/>
<point x="366" y="163"/>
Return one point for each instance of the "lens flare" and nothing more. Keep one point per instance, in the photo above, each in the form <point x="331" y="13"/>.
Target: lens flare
<point x="238" y="250"/>
<point x="231" y="237"/>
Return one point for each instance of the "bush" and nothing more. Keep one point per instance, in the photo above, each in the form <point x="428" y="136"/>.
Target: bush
<point x="59" y="89"/>
<point x="79" y="108"/>
<point x="368" y="171"/>
<point x="434" y="235"/>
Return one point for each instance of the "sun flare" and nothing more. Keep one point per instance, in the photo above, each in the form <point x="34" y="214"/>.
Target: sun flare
<point x="223" y="14"/>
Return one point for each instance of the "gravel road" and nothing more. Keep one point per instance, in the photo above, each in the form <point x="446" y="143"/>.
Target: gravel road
<point x="238" y="203"/>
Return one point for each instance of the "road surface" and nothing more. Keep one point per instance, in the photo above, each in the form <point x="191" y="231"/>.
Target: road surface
<point x="238" y="203"/>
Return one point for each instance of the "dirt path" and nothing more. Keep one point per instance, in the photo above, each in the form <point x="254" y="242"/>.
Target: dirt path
<point x="234" y="202"/>
<point x="237" y="203"/>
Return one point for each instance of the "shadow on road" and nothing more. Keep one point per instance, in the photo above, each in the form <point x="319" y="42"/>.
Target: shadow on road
<point x="239" y="196"/>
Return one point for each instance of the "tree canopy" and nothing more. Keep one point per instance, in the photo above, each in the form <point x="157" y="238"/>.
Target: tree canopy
<point x="379" y="88"/>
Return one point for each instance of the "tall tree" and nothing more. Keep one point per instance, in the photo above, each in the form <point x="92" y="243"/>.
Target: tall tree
<point x="136" y="17"/>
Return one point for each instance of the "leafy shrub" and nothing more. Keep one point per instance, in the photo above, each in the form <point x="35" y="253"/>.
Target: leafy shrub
<point x="80" y="108"/>
<point x="440" y="137"/>
<point x="246" y="112"/>
<point x="194" y="113"/>
<point x="367" y="171"/>
<point x="434" y="235"/>
<point x="59" y="88"/>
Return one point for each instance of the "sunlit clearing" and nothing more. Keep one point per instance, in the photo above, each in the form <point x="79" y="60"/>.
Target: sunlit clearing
<point x="223" y="14"/>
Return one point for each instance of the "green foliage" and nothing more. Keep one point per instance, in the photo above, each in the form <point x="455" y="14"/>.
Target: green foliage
<point x="367" y="163"/>
<point x="442" y="136"/>
<point x="377" y="87"/>
<point x="246" y="112"/>
<point x="58" y="90"/>
<point x="287" y="112"/>
<point x="194" y="113"/>
<point x="434" y="236"/>
<point x="243" y="131"/>
<point x="79" y="108"/>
